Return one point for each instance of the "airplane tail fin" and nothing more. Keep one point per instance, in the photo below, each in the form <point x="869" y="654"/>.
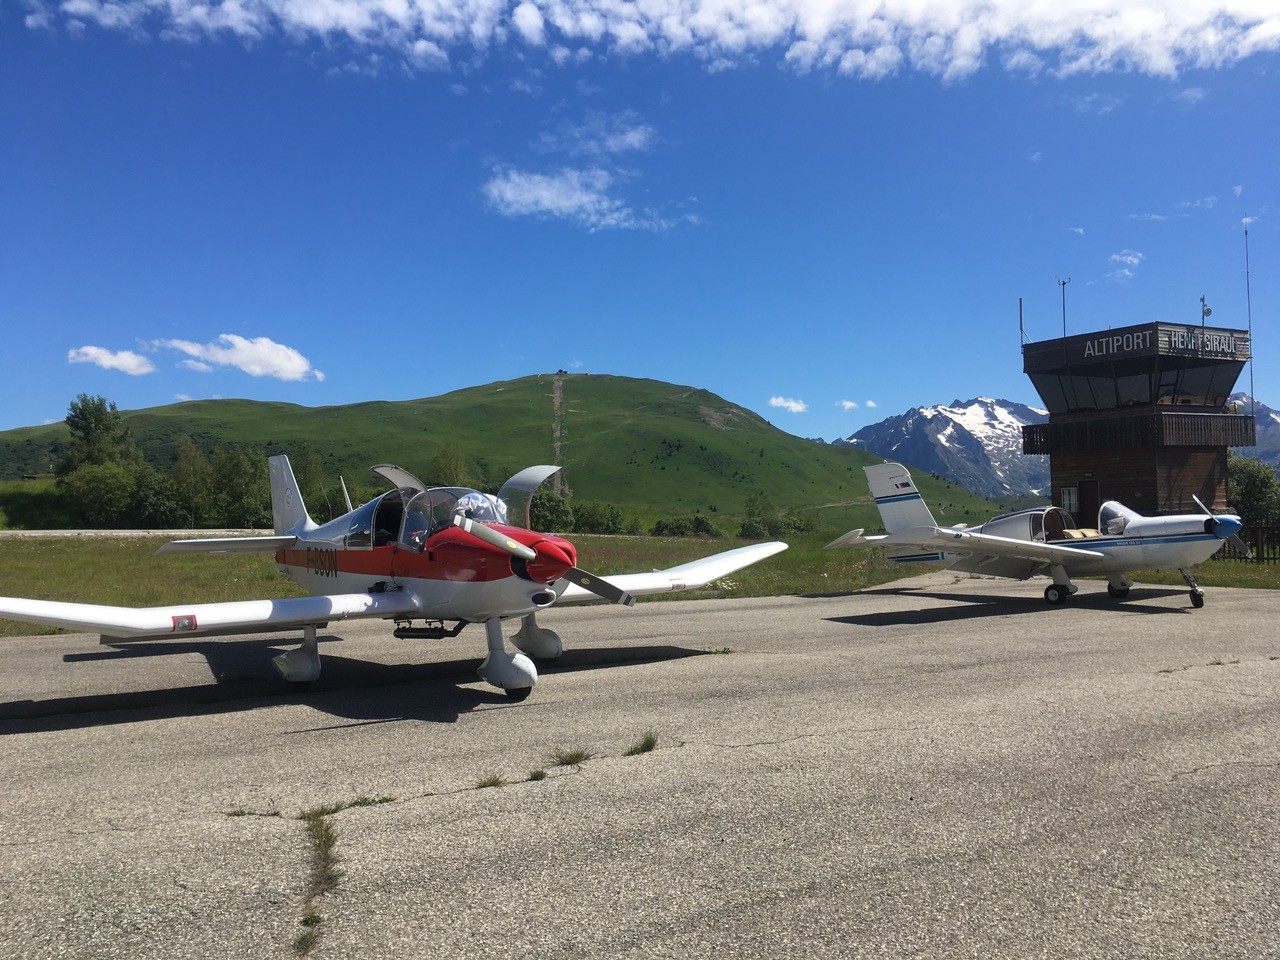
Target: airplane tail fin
<point x="287" y="509"/>
<point x="897" y="498"/>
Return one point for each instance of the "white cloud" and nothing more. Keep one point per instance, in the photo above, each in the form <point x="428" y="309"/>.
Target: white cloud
<point x="1126" y="264"/>
<point x="580" y="196"/>
<point x="870" y="403"/>
<point x="789" y="404"/>
<point x="856" y="38"/>
<point x="1078" y="230"/>
<point x="1204" y="203"/>
<point x="1237" y="190"/>
<point x="848" y="404"/>
<point x="199" y="366"/>
<point x="1153" y="217"/>
<point x="1036" y="157"/>
<point x="1097" y="103"/>
<point x="529" y="23"/>
<point x="259" y="357"/>
<point x="126" y="361"/>
<point x="182" y="397"/>
<point x="1190" y="96"/>
<point x="600" y="134"/>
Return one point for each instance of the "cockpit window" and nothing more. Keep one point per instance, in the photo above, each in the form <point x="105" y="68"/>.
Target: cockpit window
<point x="1113" y="517"/>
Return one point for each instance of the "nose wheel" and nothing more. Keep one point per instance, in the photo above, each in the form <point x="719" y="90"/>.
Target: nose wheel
<point x="1197" y="595"/>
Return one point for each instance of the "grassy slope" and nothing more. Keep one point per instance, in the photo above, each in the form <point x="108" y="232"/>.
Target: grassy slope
<point x="651" y="447"/>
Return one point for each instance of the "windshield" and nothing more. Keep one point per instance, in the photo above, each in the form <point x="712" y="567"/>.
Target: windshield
<point x="434" y="509"/>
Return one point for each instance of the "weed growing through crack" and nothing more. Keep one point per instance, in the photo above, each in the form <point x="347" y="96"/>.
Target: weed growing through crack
<point x="721" y="650"/>
<point x="537" y="774"/>
<point x="570" y="758"/>
<point x="306" y="941"/>
<point x="492" y="780"/>
<point x="643" y="745"/>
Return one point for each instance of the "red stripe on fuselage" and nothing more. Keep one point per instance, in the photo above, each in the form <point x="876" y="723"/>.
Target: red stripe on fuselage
<point x="450" y="554"/>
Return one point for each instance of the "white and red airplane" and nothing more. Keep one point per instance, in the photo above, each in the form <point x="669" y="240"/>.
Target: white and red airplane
<point x="442" y="555"/>
<point x="1044" y="540"/>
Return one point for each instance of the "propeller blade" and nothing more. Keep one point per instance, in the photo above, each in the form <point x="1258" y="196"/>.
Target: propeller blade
<point x="601" y="588"/>
<point x="492" y="537"/>
<point x="1200" y="504"/>
<point x="1240" y="545"/>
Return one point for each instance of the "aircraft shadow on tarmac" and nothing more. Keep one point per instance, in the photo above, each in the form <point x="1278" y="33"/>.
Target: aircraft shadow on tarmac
<point x="966" y="606"/>
<point x="358" y="691"/>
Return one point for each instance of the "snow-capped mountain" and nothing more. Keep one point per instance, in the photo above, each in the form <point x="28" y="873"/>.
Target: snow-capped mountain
<point x="976" y="443"/>
<point x="1267" y="448"/>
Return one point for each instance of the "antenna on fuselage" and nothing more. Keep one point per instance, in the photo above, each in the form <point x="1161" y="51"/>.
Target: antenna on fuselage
<point x="345" y="496"/>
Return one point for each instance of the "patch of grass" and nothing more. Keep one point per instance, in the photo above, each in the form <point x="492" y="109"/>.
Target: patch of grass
<point x="492" y="780"/>
<point x="721" y="650"/>
<point x="570" y="758"/>
<point x="325" y="873"/>
<point x="306" y="941"/>
<point x="645" y="744"/>
<point x="537" y="775"/>
<point x="311" y="920"/>
<point x="242" y="812"/>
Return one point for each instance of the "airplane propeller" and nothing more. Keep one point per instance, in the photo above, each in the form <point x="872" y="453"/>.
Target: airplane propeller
<point x="1226" y="528"/>
<point x="588" y="581"/>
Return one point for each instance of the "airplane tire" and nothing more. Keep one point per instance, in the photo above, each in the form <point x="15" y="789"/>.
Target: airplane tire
<point x="1197" y="600"/>
<point x="1055" y="595"/>
<point x="518" y="693"/>
<point x="1117" y="593"/>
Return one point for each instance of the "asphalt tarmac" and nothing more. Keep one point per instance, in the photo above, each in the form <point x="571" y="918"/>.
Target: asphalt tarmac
<point x="944" y="767"/>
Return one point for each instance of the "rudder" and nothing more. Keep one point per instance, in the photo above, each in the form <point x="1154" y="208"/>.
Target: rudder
<point x="287" y="509"/>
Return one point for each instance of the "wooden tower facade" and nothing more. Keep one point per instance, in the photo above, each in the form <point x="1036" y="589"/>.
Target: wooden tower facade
<point x="1138" y="414"/>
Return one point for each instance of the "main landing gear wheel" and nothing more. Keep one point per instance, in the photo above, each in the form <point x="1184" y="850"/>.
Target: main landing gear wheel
<point x="1117" y="593"/>
<point x="517" y="694"/>
<point x="1055" y="594"/>
<point x="1197" y="599"/>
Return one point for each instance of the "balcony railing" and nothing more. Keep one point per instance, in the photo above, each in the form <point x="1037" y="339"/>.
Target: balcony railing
<point x="1148" y="430"/>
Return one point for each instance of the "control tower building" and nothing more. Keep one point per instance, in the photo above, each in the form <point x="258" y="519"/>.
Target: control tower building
<point x="1138" y="414"/>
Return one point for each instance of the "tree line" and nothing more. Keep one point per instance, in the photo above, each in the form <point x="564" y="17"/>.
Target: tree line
<point x="105" y="482"/>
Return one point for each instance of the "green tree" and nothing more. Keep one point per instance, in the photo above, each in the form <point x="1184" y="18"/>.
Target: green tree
<point x="591" y="516"/>
<point x="98" y="435"/>
<point x="549" y="513"/>
<point x="242" y="490"/>
<point x="98" y="495"/>
<point x="193" y="486"/>
<point x="448" y="468"/>
<point x="153" y="505"/>
<point x="1254" y="490"/>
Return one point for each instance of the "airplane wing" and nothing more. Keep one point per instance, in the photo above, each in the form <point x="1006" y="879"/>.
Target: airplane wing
<point x="687" y="576"/>
<point x="209" y="619"/>
<point x="969" y="543"/>
<point x="225" y="545"/>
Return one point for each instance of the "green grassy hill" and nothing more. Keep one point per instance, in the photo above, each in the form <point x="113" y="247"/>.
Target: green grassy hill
<point x="652" y="447"/>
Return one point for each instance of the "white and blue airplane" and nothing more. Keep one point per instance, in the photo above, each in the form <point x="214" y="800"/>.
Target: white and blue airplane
<point x="1043" y="541"/>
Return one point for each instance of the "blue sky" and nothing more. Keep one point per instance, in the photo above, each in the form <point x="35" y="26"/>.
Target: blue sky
<point x="823" y="210"/>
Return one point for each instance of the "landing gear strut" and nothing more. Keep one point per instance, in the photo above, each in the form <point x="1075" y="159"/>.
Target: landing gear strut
<point x="301" y="665"/>
<point x="1057" y="592"/>
<point x="513" y="672"/>
<point x="536" y="641"/>
<point x="1197" y="595"/>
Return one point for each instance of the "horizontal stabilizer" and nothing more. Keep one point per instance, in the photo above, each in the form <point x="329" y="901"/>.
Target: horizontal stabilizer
<point x="225" y="545"/>
<point x="855" y="539"/>
<point x="687" y="576"/>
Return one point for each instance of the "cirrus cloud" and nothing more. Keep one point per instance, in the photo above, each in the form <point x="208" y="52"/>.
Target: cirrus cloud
<point x="126" y="361"/>
<point x="857" y="38"/>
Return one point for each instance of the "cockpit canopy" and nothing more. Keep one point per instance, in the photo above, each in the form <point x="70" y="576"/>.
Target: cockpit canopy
<point x="408" y="516"/>
<point x="1114" y="517"/>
